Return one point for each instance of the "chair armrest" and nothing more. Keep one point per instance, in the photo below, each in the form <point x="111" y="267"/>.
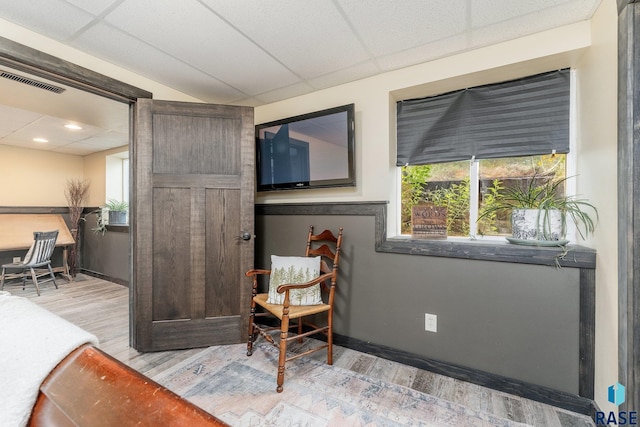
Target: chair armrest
<point x="255" y="272"/>
<point x="289" y="286"/>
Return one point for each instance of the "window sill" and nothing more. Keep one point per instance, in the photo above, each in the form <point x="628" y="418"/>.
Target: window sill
<point x="118" y="228"/>
<point x="492" y="250"/>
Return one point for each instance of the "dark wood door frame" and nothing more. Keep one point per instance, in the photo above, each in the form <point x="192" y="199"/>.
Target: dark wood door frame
<point x="24" y="58"/>
<point x="629" y="201"/>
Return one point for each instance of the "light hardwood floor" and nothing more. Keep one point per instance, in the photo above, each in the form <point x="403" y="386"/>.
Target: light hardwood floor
<point x="101" y="308"/>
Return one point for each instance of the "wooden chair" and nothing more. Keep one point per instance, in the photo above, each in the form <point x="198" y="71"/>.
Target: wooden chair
<point x="317" y="245"/>
<point x="39" y="255"/>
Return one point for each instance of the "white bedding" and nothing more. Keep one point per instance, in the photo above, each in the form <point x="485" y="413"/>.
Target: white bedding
<point x="32" y="342"/>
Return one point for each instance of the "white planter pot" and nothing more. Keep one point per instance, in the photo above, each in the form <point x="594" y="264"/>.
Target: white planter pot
<point x="535" y="224"/>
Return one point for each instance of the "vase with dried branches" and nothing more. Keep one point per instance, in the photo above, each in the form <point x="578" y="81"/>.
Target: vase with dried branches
<point x="77" y="193"/>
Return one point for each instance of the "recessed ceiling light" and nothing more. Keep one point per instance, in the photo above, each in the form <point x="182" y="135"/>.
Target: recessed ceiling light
<point x="40" y="140"/>
<point x="73" y="127"/>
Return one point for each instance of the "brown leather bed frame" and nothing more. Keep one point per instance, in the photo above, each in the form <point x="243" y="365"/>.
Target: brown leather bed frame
<point x="90" y="388"/>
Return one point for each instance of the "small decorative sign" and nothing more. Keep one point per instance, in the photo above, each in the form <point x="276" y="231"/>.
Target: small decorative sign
<point x="428" y="222"/>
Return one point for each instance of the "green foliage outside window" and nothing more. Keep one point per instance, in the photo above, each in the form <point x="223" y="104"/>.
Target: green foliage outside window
<point x="414" y="179"/>
<point x="454" y="193"/>
<point x="456" y="199"/>
<point x="488" y="223"/>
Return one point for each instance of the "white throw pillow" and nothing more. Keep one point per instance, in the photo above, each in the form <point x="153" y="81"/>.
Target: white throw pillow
<point x="294" y="269"/>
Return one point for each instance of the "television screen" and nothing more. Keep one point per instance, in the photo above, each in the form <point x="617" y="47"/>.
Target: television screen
<point x="314" y="150"/>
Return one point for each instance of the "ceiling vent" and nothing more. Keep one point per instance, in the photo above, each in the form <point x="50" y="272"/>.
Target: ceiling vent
<point x="31" y="82"/>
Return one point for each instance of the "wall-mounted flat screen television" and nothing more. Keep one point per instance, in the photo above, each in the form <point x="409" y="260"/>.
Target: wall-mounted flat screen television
<point x="315" y="150"/>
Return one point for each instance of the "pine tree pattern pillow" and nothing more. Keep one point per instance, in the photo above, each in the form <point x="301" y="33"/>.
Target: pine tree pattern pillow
<point x="286" y="270"/>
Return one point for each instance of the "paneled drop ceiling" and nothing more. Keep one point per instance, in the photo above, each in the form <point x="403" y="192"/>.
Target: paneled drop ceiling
<point x="252" y="52"/>
<point x="28" y="113"/>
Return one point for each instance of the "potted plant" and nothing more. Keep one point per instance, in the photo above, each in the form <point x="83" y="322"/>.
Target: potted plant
<point x="117" y="211"/>
<point x="539" y="211"/>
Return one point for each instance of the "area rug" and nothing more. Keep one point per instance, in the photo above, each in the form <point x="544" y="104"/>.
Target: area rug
<point x="240" y="390"/>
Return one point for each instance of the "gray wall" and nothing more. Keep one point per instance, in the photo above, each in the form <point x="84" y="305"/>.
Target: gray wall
<point x="515" y="320"/>
<point x="108" y="253"/>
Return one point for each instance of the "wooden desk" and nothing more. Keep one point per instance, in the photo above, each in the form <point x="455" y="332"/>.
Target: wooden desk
<point x="16" y="233"/>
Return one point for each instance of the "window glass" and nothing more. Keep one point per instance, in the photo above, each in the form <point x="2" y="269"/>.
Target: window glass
<point x="450" y="185"/>
<point x="125" y="179"/>
<point x="117" y="179"/>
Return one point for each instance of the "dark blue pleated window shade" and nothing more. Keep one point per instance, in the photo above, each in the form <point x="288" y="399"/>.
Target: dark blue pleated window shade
<point x="528" y="116"/>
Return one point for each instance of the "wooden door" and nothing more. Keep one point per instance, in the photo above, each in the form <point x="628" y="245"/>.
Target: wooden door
<point x="192" y="202"/>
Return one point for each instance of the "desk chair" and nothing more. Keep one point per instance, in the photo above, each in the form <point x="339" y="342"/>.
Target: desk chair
<point x="39" y="255"/>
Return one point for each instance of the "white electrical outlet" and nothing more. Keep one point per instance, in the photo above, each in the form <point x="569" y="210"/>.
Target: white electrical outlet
<point x="430" y="322"/>
<point x="16" y="260"/>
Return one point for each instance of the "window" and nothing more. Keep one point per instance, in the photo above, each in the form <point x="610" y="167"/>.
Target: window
<point x="125" y="179"/>
<point x="468" y="188"/>
<point x="117" y="177"/>
<point x="460" y="150"/>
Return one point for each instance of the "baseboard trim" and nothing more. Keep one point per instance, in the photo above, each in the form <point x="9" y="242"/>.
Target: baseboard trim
<point x="91" y="273"/>
<point x="557" y="398"/>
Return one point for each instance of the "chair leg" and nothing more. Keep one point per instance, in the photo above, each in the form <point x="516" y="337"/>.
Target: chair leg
<point x="300" y="329"/>
<point x="284" y="332"/>
<point x="330" y="337"/>
<point x="35" y="280"/>
<point x="251" y="339"/>
<point x="53" y="276"/>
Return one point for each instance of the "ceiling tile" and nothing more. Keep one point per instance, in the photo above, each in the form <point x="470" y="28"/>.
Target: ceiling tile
<point x="53" y="130"/>
<point x="514" y="26"/>
<point x="284" y="93"/>
<point x="424" y="53"/>
<point x="388" y="26"/>
<point x="53" y="18"/>
<point x="338" y="77"/>
<point x="247" y="102"/>
<point x="200" y="38"/>
<point x="119" y="48"/>
<point x="487" y="12"/>
<point x="26" y="144"/>
<point x="105" y="140"/>
<point x="95" y="7"/>
<point x="12" y="119"/>
<point x="76" y="149"/>
<point x="309" y="41"/>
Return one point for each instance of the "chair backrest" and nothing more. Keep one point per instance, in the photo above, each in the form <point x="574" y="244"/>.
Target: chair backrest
<point x="44" y="242"/>
<point x="326" y="245"/>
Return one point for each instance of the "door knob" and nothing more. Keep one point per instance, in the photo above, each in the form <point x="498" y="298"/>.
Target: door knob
<point x="246" y="236"/>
